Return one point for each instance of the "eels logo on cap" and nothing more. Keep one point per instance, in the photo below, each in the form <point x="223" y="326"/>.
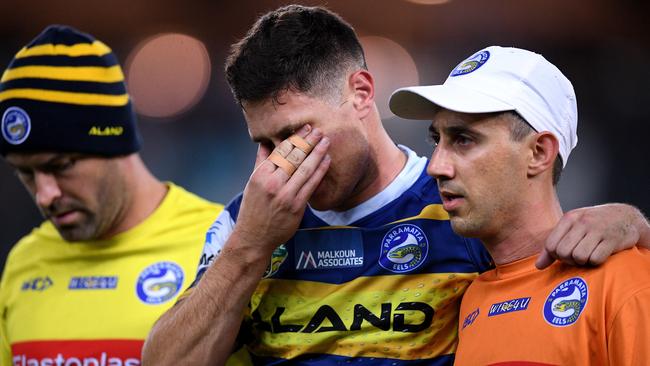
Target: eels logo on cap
<point x="15" y="125"/>
<point x="471" y="64"/>
<point x="403" y="248"/>
<point x="159" y="282"/>
<point x="566" y="302"/>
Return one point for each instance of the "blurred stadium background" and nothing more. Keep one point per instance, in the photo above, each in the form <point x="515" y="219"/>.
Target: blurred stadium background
<point x="195" y="135"/>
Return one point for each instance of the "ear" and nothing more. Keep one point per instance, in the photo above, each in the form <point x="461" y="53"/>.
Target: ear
<point x="362" y="86"/>
<point x="545" y="148"/>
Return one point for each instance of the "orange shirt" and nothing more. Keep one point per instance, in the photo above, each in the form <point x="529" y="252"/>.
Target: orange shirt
<point x="563" y="315"/>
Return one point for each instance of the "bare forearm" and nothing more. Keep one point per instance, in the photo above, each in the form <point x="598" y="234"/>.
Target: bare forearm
<point x="201" y="330"/>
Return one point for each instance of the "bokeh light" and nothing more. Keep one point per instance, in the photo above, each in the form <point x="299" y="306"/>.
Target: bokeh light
<point x="167" y="74"/>
<point x="392" y="66"/>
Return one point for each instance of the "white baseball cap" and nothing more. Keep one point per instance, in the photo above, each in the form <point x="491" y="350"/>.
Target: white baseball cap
<point x="498" y="79"/>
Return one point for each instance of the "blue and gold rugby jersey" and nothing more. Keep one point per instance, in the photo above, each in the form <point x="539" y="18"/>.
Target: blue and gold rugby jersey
<point x="379" y="284"/>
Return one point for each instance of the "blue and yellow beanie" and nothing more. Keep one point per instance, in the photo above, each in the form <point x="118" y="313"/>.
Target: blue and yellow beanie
<point x="65" y="92"/>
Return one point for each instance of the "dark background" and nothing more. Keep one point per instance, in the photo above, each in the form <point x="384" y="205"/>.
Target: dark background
<point x="602" y="46"/>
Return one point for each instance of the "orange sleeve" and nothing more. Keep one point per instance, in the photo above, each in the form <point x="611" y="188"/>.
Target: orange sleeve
<point x="629" y="337"/>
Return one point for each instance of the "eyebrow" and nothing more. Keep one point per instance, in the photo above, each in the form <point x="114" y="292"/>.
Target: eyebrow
<point x="41" y="166"/>
<point x="457" y="130"/>
<point x="282" y="133"/>
<point x="453" y="129"/>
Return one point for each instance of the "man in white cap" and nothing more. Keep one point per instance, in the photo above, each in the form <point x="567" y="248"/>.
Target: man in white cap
<point x="504" y="124"/>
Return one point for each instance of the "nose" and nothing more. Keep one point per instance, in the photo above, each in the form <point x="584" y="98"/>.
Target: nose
<point x="441" y="165"/>
<point x="47" y="189"/>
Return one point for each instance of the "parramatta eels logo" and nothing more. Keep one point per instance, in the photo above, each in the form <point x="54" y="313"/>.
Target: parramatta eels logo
<point x="16" y="125"/>
<point x="566" y="302"/>
<point x="403" y="248"/>
<point x="277" y="258"/>
<point x="159" y="282"/>
<point x="471" y="64"/>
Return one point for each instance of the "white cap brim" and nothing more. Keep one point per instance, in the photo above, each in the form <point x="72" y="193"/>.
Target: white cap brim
<point x="423" y="102"/>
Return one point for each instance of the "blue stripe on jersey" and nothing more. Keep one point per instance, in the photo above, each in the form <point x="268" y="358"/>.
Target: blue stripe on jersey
<point x="447" y="252"/>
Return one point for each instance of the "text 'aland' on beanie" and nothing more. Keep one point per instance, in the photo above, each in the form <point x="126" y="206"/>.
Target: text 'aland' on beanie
<point x="65" y="92"/>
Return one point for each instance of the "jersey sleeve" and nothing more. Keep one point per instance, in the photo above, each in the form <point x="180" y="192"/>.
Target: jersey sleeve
<point x="215" y="239"/>
<point x="629" y="336"/>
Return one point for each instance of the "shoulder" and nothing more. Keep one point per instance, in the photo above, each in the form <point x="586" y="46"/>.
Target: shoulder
<point x="422" y="192"/>
<point x="633" y="262"/>
<point x="483" y="282"/>
<point x="631" y="266"/>
<point x="424" y="186"/>
<point x="187" y="208"/>
<point x="626" y="278"/>
<point x="44" y="233"/>
<point x="40" y="242"/>
<point x="191" y="201"/>
<point x="621" y="276"/>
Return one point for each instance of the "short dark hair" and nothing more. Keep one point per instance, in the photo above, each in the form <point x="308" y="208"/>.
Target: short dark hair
<point x="299" y="48"/>
<point x="519" y="128"/>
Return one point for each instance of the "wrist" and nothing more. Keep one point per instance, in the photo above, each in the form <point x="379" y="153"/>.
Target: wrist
<point x="247" y="249"/>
